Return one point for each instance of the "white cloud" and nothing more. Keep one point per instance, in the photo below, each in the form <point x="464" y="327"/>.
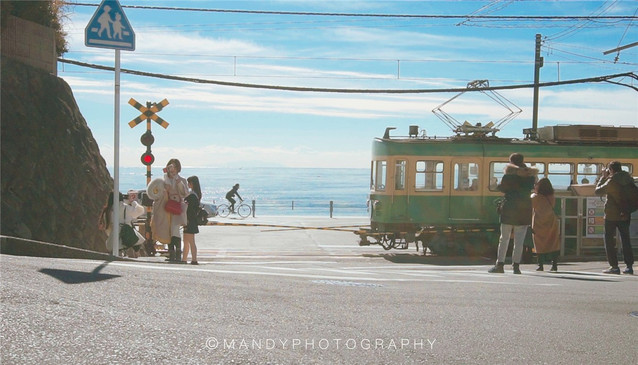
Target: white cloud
<point x="342" y="56"/>
<point x="243" y="156"/>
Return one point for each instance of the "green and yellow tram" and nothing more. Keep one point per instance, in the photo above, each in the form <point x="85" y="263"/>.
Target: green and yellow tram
<point x="442" y="192"/>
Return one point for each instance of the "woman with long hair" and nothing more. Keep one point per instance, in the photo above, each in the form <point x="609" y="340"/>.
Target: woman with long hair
<point x="191" y="228"/>
<point x="166" y="224"/>
<point x="545" y="225"/>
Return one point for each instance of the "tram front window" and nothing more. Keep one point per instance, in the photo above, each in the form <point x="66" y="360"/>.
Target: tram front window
<point x="378" y="179"/>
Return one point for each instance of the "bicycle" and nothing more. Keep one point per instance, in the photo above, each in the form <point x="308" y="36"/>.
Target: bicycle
<point x="243" y="210"/>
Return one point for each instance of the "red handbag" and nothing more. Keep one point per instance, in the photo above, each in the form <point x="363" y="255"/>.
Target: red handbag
<point x="173" y="207"/>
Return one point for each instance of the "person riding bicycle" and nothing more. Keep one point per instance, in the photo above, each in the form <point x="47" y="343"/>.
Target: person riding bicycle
<point x="231" y="194"/>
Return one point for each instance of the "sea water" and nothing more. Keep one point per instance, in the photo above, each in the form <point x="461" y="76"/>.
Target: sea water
<point x="275" y="191"/>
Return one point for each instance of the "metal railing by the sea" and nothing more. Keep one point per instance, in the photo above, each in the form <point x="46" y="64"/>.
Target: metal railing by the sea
<point x="308" y="208"/>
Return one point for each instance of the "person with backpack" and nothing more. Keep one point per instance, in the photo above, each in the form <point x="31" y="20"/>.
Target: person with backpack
<point x="617" y="185"/>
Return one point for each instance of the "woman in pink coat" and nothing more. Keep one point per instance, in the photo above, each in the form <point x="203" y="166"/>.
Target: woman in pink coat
<point x="545" y="225"/>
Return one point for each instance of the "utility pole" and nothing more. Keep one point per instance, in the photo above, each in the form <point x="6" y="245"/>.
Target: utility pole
<point x="538" y="63"/>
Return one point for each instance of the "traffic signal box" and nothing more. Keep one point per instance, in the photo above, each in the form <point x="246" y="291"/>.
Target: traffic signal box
<point x="147" y="140"/>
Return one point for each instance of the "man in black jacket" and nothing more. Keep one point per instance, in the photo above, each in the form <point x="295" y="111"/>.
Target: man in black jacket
<point x="516" y="212"/>
<point x="613" y="183"/>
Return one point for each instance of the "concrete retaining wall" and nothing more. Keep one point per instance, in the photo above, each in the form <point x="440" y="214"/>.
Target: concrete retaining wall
<point x="30" y="43"/>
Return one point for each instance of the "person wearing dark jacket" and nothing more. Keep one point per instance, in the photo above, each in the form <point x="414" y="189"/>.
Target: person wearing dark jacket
<point x="230" y="194"/>
<point x="612" y="184"/>
<point x="516" y="210"/>
<point x="191" y="228"/>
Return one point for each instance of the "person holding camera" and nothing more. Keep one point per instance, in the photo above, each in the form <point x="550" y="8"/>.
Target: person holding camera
<point x="612" y="184"/>
<point x="130" y="209"/>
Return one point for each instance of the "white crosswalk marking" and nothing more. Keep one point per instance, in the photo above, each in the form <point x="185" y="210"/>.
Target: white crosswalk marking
<point x="342" y="270"/>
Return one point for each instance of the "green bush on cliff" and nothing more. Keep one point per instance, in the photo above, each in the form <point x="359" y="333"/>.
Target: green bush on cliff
<point x="48" y="13"/>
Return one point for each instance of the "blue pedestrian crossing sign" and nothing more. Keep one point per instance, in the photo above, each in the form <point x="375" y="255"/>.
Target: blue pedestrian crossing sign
<point x="109" y="28"/>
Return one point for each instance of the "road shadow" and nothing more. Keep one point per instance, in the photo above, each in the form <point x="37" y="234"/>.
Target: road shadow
<point x="432" y="260"/>
<point x="580" y="276"/>
<point x="79" y="277"/>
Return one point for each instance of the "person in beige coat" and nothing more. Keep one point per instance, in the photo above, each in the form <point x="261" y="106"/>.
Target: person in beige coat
<point x="165" y="225"/>
<point x="545" y="225"/>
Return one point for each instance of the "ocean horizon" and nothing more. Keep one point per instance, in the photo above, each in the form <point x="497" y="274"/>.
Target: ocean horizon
<point x="284" y="191"/>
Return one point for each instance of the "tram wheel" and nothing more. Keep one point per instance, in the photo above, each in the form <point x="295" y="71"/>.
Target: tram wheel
<point x="387" y="242"/>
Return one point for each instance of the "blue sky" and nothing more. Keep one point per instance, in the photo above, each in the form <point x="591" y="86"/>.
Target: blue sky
<point x="219" y="126"/>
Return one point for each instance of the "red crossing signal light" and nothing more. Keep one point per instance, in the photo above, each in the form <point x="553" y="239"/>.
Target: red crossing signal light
<point x="147" y="158"/>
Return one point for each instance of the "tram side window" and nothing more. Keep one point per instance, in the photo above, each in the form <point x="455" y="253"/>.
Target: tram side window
<point x="378" y="180"/>
<point x="587" y="173"/>
<point x="399" y="175"/>
<point x="560" y="174"/>
<point x="497" y="170"/>
<point x="428" y="175"/>
<point x="540" y="166"/>
<point x="628" y="168"/>
<point x="466" y="176"/>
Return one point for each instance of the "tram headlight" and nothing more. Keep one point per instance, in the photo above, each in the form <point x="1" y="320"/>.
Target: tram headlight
<point x="376" y="207"/>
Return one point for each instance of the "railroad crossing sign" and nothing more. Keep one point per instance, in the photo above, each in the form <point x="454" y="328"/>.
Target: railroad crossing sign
<point x="148" y="113"/>
<point x="109" y="28"/>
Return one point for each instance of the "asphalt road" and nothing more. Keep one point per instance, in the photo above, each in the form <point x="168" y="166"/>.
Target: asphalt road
<point x="255" y="299"/>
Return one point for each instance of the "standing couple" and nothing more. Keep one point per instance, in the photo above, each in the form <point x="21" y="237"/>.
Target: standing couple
<point x="520" y="210"/>
<point x="176" y="203"/>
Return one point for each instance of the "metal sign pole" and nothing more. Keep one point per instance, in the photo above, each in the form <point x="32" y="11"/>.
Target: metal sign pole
<point x="110" y="16"/>
<point x="115" y="232"/>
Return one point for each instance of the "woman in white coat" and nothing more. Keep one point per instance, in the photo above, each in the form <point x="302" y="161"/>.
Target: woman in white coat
<point x="130" y="209"/>
<point x="166" y="225"/>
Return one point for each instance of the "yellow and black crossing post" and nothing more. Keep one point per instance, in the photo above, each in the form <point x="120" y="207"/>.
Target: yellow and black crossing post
<point x="149" y="114"/>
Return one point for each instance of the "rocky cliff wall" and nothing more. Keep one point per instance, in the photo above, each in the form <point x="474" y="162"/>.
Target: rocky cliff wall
<point x="54" y="180"/>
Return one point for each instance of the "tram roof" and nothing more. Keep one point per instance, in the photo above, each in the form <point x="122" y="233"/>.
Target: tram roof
<point x="566" y="143"/>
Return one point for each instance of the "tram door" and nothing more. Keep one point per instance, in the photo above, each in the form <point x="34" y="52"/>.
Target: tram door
<point x="465" y="191"/>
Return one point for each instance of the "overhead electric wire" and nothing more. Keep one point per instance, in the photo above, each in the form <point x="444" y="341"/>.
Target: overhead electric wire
<point x="352" y="91"/>
<point x="575" y="28"/>
<point x="414" y="16"/>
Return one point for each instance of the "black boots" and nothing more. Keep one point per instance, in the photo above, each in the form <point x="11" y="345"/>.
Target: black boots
<point x="553" y="269"/>
<point x="171" y="252"/>
<point x="178" y="248"/>
<point x="175" y="250"/>
<point x="516" y="268"/>
<point x="497" y="269"/>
